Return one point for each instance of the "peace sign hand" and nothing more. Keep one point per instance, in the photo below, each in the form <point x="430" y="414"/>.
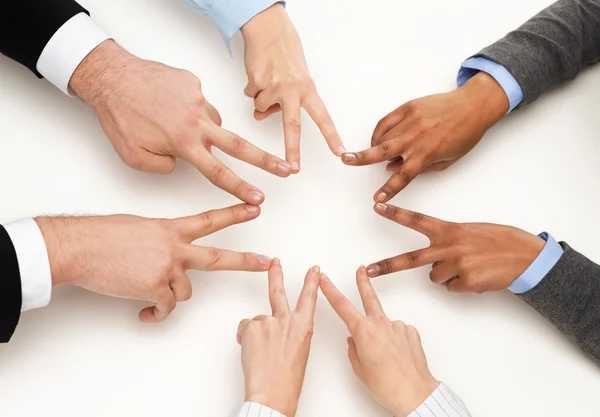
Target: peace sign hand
<point x="468" y="257"/>
<point x="279" y="80"/>
<point x="432" y="133"/>
<point x="275" y="348"/>
<point x="386" y="356"/>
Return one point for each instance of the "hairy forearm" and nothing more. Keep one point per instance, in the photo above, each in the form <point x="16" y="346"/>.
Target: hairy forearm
<point x="65" y="251"/>
<point x="93" y="77"/>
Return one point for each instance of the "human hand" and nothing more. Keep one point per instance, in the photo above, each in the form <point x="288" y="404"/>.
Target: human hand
<point x="278" y="80"/>
<point x="432" y="133"/>
<point x="467" y="257"/>
<point x="275" y="348"/>
<point x="142" y="259"/>
<point x="153" y="113"/>
<point x="386" y="356"/>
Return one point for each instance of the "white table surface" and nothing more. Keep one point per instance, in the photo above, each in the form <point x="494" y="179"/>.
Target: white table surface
<point x="87" y="355"/>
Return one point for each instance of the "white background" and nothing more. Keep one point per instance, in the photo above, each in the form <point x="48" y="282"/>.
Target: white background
<point x="87" y="355"/>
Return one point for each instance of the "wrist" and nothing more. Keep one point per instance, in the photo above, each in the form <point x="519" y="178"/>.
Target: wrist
<point x="485" y="98"/>
<point x="263" y="23"/>
<point x="417" y="396"/>
<point x="94" y="76"/>
<point x="62" y="248"/>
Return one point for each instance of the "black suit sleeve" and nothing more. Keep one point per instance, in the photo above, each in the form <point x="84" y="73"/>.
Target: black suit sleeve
<point x="26" y="26"/>
<point x="10" y="288"/>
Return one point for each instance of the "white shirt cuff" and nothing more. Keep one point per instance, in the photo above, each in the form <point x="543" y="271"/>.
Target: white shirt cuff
<point x="442" y="402"/>
<point x="34" y="266"/>
<point x="67" y="48"/>
<point x="255" y="410"/>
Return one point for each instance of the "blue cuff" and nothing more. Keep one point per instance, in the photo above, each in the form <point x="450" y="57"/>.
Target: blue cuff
<point x="508" y="83"/>
<point x="540" y="267"/>
<point x="230" y="15"/>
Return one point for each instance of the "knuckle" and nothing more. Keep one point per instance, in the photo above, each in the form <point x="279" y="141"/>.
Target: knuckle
<point x="412" y="257"/>
<point x="385" y="149"/>
<point x="265" y="160"/>
<point x="214" y="256"/>
<point x="216" y="173"/>
<point x="405" y="176"/>
<point x="389" y="189"/>
<point x="206" y="219"/>
<point x="293" y="124"/>
<point x="238" y="144"/>
<point x="181" y="140"/>
<point x="417" y="217"/>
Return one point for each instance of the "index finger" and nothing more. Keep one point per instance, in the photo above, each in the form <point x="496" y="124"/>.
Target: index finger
<point x="292" y="131"/>
<point x="429" y="226"/>
<point x="379" y="153"/>
<point x="318" y="112"/>
<point x="238" y="147"/>
<point x="203" y="224"/>
<point x="307" y="302"/>
<point x="221" y="176"/>
<point x="277" y="296"/>
<point x="409" y="260"/>
<point x="369" y="298"/>
<point x="340" y="304"/>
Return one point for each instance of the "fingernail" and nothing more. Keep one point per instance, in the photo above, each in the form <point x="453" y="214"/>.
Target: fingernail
<point x="284" y="168"/>
<point x="382" y="208"/>
<point x="381" y="197"/>
<point x="295" y="166"/>
<point x="277" y="262"/>
<point x="265" y="260"/>
<point x="255" y="197"/>
<point x="373" y="270"/>
<point x="252" y="209"/>
<point x="350" y="157"/>
<point x="316" y="269"/>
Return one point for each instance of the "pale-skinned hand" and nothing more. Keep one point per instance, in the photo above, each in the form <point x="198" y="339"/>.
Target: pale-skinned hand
<point x="279" y="80"/>
<point x="386" y="356"/>
<point x="143" y="259"/>
<point x="153" y="114"/>
<point x="275" y="348"/>
<point x="432" y="133"/>
<point x="466" y="257"/>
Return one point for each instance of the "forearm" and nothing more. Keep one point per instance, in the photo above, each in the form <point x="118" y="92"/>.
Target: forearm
<point x="552" y="47"/>
<point x="569" y="297"/>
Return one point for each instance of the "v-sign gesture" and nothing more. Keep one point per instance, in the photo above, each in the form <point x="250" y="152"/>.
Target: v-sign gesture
<point x="468" y="257"/>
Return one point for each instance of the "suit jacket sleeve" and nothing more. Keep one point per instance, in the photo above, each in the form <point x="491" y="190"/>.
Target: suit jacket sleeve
<point x="569" y="296"/>
<point x="552" y="47"/>
<point x="26" y="26"/>
<point x="10" y="287"/>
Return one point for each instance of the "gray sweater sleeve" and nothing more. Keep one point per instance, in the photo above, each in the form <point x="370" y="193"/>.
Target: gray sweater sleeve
<point x="569" y="296"/>
<point x="552" y="47"/>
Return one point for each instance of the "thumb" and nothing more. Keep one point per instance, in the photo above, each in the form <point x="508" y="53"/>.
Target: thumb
<point x="354" y="361"/>
<point x="241" y="328"/>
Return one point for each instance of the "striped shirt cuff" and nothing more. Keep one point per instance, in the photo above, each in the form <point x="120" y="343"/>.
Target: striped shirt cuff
<point x="255" y="410"/>
<point x="441" y="403"/>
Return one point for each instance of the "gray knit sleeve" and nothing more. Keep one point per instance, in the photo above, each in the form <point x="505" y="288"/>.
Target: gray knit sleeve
<point x="550" y="48"/>
<point x="569" y="296"/>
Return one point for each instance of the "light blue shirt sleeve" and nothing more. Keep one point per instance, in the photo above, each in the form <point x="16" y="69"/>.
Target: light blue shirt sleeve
<point x="508" y="83"/>
<point x="540" y="267"/>
<point x="230" y="15"/>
